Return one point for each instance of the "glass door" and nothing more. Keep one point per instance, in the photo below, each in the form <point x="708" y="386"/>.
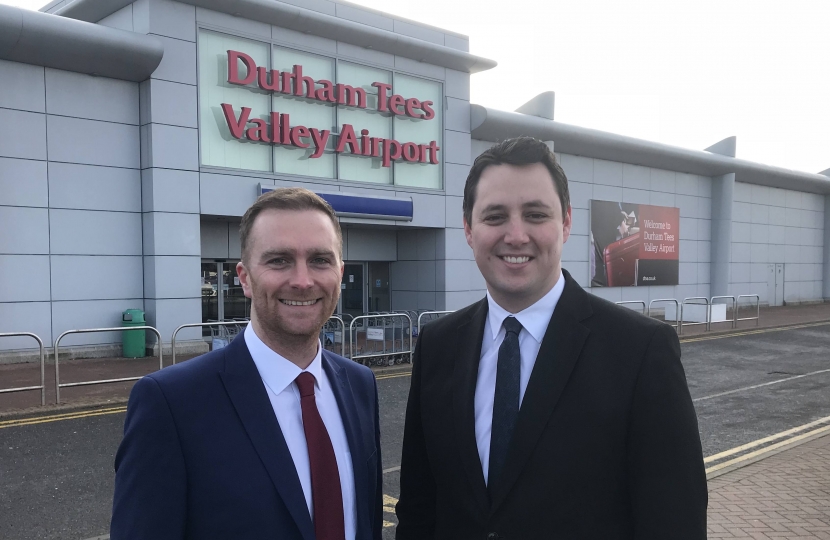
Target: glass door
<point x="352" y="294"/>
<point x="378" y="289"/>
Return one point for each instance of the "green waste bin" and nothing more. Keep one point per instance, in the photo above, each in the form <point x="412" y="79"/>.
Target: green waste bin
<point x="133" y="340"/>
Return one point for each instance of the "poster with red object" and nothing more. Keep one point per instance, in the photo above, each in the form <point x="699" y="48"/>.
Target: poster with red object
<point x="634" y="244"/>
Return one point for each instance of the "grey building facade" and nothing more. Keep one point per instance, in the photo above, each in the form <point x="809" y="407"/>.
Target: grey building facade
<point x="122" y="184"/>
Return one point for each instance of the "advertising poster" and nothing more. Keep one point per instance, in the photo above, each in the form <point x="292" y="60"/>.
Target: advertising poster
<point x="634" y="244"/>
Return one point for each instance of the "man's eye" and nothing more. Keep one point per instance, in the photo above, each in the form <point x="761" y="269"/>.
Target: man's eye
<point x="321" y="261"/>
<point x="493" y="218"/>
<point x="537" y="216"/>
<point x="278" y="260"/>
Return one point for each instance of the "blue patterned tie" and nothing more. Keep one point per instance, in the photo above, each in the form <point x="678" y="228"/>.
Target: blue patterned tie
<point x="506" y="401"/>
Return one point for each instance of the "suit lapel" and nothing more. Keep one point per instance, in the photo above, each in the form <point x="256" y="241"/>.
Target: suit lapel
<point x="557" y="357"/>
<point x="342" y="389"/>
<point x="250" y="399"/>
<point x="465" y="372"/>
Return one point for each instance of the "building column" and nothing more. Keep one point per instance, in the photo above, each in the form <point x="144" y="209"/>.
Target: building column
<point x="723" y="188"/>
<point x="825" y="269"/>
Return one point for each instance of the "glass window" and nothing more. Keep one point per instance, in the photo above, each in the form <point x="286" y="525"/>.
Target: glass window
<point x="421" y="132"/>
<point x="303" y="111"/>
<point x="219" y="147"/>
<point x="364" y="168"/>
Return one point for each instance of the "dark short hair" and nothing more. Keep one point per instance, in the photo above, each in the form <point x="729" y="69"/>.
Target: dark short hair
<point x="518" y="151"/>
<point x="291" y="199"/>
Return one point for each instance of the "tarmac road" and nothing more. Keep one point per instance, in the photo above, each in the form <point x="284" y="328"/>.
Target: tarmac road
<point x="56" y="477"/>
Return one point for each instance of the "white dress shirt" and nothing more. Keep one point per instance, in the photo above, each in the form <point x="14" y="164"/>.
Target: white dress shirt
<point x="279" y="374"/>
<point x="534" y="321"/>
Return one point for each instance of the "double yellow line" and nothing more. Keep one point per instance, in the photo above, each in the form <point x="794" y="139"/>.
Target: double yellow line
<point x="58" y="417"/>
<point x="753" y="332"/>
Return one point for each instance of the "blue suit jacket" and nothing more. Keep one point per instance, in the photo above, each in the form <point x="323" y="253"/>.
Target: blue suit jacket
<point x="203" y="456"/>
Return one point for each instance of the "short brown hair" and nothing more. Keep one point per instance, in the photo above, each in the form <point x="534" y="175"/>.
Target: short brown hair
<point x="518" y="151"/>
<point x="292" y="199"/>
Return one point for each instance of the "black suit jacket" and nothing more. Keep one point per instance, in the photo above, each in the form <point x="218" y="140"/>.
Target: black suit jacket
<point x="606" y="445"/>
<point x="203" y="456"/>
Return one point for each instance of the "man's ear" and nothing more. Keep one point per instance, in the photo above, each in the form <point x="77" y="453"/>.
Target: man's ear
<point x="244" y="278"/>
<point x="566" y="225"/>
<point x="468" y="232"/>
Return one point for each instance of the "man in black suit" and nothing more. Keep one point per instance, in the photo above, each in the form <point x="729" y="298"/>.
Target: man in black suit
<point x="542" y="411"/>
<point x="271" y="436"/>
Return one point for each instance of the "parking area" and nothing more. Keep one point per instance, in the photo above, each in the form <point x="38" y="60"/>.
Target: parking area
<point x="56" y="473"/>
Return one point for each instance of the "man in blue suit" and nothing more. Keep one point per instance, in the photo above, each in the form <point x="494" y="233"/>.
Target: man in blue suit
<point x="271" y="436"/>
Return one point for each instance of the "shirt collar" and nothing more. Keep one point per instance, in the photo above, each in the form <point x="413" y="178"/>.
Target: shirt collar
<point x="534" y="318"/>
<point x="277" y="372"/>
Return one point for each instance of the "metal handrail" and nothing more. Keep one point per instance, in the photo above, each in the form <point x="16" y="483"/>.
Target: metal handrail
<point x="678" y="316"/>
<point x="201" y="325"/>
<point x="757" y="317"/>
<point x="384" y="353"/>
<point x="640" y="302"/>
<point x="734" y="304"/>
<point x="705" y="302"/>
<point x="58" y="384"/>
<point x="42" y="386"/>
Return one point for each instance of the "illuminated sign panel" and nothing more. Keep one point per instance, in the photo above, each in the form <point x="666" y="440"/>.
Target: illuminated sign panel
<point x="305" y="114"/>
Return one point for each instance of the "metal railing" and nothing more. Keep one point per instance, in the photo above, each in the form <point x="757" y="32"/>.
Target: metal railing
<point x="335" y="319"/>
<point x="59" y="385"/>
<point x="215" y="324"/>
<point x="42" y="386"/>
<point x="429" y="314"/>
<point x="734" y="310"/>
<point x="375" y="333"/>
<point x="757" y="317"/>
<point x="638" y="302"/>
<point x="686" y="302"/>
<point x="677" y="312"/>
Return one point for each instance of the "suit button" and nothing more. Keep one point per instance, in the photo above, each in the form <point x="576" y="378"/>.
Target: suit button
<point x="493" y="536"/>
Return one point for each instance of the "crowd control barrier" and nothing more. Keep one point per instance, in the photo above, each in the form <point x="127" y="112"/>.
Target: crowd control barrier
<point x="59" y="385"/>
<point x="384" y="341"/>
<point x="215" y="324"/>
<point x="42" y="386"/>
<point x="638" y="302"/>
<point x="757" y="317"/>
<point x="677" y="314"/>
<point x="329" y="333"/>
<point x="734" y="308"/>
<point x="686" y="302"/>
<point x="431" y="315"/>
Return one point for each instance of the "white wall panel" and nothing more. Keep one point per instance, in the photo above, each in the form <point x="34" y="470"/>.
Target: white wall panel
<point x="73" y="140"/>
<point x="24" y="278"/>
<point x="25" y="231"/>
<point x="23" y="182"/>
<point x="95" y="98"/>
<point x="96" y="277"/>
<point x="81" y="232"/>
<point x="90" y="187"/>
<point x="21" y="87"/>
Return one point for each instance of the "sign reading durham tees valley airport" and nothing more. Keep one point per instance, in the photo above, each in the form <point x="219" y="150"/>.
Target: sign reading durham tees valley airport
<point x="634" y="244"/>
<point x="280" y="130"/>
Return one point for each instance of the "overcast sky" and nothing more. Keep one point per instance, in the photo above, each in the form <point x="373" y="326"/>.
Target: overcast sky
<point x="687" y="73"/>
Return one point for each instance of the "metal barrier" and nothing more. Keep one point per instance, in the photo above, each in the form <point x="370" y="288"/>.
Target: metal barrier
<point x="378" y="333"/>
<point x="757" y="317"/>
<point x="335" y="319"/>
<point x="686" y="302"/>
<point x="42" y="386"/>
<point x="734" y="310"/>
<point x="429" y="313"/>
<point x="216" y="324"/>
<point x="677" y="312"/>
<point x="640" y="302"/>
<point x="58" y="384"/>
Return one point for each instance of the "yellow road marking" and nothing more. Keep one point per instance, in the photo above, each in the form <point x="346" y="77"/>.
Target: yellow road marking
<point x="58" y="417"/>
<point x="767" y="449"/>
<point x="381" y="377"/>
<point x="389" y="503"/>
<point x="753" y="332"/>
<point x="753" y="444"/>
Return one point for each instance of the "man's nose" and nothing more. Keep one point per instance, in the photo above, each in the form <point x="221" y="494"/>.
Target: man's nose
<point x="515" y="233"/>
<point x="301" y="277"/>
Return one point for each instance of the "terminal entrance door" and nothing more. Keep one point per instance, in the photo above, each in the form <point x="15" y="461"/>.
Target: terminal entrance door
<point x="222" y="296"/>
<point x="365" y="288"/>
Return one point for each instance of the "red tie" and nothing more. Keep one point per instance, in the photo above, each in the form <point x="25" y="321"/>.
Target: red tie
<point x="325" y="479"/>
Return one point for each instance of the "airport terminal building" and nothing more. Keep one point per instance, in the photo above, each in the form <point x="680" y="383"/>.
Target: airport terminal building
<point x="136" y="134"/>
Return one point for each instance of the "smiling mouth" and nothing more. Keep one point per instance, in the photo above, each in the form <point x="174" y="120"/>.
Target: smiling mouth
<point x="299" y="303"/>
<point x="515" y="260"/>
